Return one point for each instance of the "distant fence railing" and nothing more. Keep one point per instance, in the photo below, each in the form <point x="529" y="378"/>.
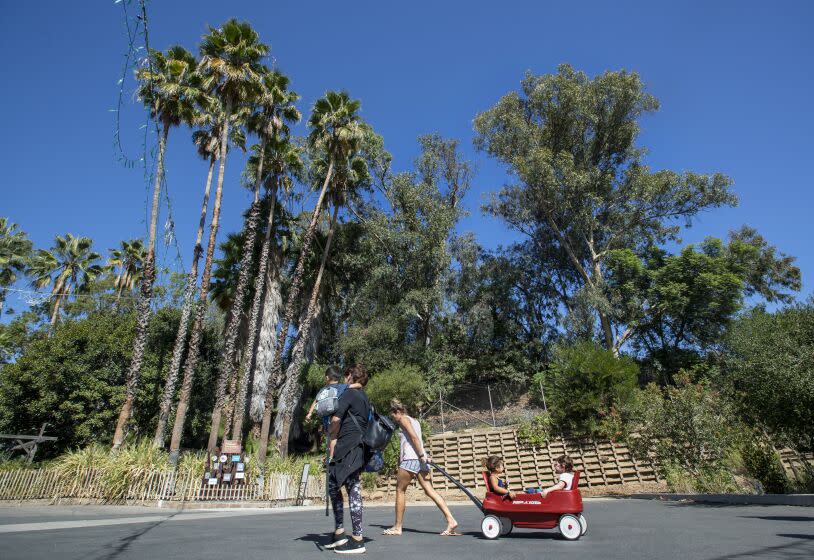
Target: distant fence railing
<point x="32" y="484"/>
<point x="478" y="405"/>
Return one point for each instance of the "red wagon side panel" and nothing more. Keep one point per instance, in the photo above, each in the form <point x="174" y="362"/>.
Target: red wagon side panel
<point x="532" y="510"/>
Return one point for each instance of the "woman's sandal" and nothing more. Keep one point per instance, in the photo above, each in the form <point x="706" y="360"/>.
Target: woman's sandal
<point x="391" y="532"/>
<point x="451" y="532"/>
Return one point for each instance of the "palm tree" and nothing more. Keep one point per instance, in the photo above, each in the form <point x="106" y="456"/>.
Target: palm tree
<point x="15" y="250"/>
<point x="70" y="265"/>
<point x="351" y="176"/>
<point x="129" y="258"/>
<point x="231" y="70"/>
<point x="337" y="131"/>
<point x="169" y="89"/>
<point x="207" y="141"/>
<point x="284" y="162"/>
<point x="274" y="112"/>
<point x="289" y="395"/>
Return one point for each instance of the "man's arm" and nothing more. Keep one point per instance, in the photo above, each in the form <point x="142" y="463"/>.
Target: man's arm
<point x="333" y="431"/>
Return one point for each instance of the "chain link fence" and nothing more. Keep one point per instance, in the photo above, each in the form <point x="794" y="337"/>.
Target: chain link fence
<point x="478" y="405"/>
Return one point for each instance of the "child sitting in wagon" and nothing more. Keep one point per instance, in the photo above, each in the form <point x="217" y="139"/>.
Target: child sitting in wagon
<point x="497" y="483"/>
<point x="564" y="468"/>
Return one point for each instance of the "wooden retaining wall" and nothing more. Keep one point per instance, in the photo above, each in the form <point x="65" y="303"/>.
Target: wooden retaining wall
<point x="602" y="462"/>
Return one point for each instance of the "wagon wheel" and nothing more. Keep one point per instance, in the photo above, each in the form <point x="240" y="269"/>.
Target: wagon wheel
<point x="506" y="526"/>
<point x="570" y="527"/>
<point x="491" y="527"/>
<point x="584" y="524"/>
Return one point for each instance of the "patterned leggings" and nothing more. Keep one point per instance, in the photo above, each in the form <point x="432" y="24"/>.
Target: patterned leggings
<point x="353" y="486"/>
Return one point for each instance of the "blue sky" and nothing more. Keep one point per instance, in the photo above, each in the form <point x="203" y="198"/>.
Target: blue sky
<point x="734" y="80"/>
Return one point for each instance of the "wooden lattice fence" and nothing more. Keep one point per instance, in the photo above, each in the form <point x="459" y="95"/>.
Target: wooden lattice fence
<point x="31" y="484"/>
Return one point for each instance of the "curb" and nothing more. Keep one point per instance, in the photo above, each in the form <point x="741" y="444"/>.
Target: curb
<point x="802" y="500"/>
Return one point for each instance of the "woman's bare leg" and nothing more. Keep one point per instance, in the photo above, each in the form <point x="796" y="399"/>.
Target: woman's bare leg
<point x="426" y="485"/>
<point x="403" y="480"/>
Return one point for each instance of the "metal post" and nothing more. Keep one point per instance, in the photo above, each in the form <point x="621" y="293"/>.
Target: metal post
<point x="542" y="392"/>
<point x="491" y="407"/>
<point x="441" y="402"/>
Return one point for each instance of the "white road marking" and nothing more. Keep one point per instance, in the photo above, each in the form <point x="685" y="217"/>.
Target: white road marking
<point x="82" y="523"/>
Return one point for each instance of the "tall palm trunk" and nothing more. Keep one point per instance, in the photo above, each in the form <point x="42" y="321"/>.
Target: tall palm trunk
<point x="290" y="397"/>
<point x="144" y="308"/>
<point x="193" y="352"/>
<point x="56" y="293"/>
<point x="183" y="326"/>
<point x="259" y="286"/>
<point x="272" y="304"/>
<point x="291" y="392"/>
<point x="230" y="347"/>
<point x="293" y="294"/>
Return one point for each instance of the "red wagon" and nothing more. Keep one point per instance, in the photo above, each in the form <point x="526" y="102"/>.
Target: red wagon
<point x="560" y="508"/>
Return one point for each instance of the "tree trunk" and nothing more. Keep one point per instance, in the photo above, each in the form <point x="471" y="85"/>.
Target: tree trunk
<point x="293" y="294"/>
<point x="56" y="293"/>
<point x="272" y="303"/>
<point x="289" y="398"/>
<point x="248" y="361"/>
<point x="228" y="364"/>
<point x="193" y="352"/>
<point x="183" y="326"/>
<point x="604" y="320"/>
<point x="144" y="308"/>
<point x="228" y="367"/>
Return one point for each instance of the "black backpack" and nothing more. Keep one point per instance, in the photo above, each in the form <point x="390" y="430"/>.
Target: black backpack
<point x="379" y="430"/>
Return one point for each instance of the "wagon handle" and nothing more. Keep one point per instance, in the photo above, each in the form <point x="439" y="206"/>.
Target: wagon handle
<point x="457" y="483"/>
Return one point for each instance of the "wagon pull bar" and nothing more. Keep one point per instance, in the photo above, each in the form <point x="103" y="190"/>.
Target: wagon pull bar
<point x="457" y="483"/>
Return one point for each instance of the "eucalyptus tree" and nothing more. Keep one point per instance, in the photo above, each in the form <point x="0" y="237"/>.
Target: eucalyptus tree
<point x="283" y="164"/>
<point x="69" y="266"/>
<point x="582" y="185"/>
<point x="274" y="111"/>
<point x="209" y="120"/>
<point x="15" y="251"/>
<point x="169" y="87"/>
<point x="231" y="70"/>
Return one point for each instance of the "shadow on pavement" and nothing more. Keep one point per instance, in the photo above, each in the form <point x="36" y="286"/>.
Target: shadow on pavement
<point x="116" y="550"/>
<point x="796" y="536"/>
<point x="778" y="517"/>
<point x="519" y="534"/>
<point x="319" y="539"/>
<point x="407" y="530"/>
<point x="792" y="551"/>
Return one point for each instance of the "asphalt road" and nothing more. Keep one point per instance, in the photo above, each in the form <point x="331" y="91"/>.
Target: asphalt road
<point x="623" y="529"/>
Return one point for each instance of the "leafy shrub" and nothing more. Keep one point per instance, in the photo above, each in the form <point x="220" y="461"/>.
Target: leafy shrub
<point x="400" y="381"/>
<point x="769" y="371"/>
<point x="763" y="463"/>
<point x="688" y="428"/>
<point x="584" y="382"/>
<point x="536" y="431"/>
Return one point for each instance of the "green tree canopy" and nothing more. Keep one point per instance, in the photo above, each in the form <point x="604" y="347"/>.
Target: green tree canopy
<point x="769" y="370"/>
<point x="583" y="188"/>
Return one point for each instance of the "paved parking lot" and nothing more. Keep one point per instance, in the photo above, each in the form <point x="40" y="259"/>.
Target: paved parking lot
<point x="623" y="529"/>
